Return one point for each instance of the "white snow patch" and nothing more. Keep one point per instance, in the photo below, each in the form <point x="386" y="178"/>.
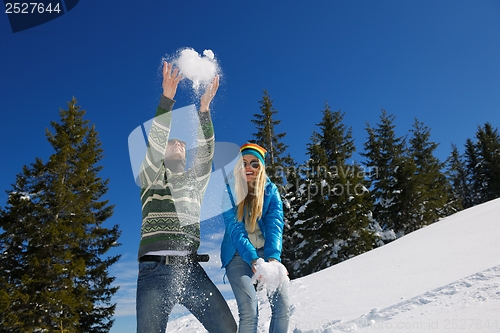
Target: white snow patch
<point x="442" y="278"/>
<point x="269" y="275"/>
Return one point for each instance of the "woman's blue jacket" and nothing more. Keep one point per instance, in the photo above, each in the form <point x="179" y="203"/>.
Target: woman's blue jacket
<point x="271" y="225"/>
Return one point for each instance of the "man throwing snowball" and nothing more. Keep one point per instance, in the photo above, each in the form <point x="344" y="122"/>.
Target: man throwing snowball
<point x="169" y="269"/>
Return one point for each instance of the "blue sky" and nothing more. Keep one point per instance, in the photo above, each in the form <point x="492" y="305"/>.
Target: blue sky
<point x="437" y="61"/>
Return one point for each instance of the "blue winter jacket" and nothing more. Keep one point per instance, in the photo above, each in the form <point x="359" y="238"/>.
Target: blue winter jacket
<point x="271" y="225"/>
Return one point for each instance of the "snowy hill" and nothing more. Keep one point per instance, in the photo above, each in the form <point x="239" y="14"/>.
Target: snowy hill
<point x="442" y="278"/>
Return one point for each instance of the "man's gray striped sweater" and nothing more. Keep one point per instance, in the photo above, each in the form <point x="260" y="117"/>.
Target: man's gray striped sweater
<point x="171" y="202"/>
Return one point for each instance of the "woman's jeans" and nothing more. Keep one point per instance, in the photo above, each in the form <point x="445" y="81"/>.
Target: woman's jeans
<point x="239" y="274"/>
<point x="160" y="287"/>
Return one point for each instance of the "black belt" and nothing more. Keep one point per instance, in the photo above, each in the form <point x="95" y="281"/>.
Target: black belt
<point x="176" y="260"/>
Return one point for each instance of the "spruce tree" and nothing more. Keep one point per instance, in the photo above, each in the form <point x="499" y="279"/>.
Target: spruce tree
<point x="482" y="164"/>
<point x="277" y="161"/>
<point x="431" y="188"/>
<point x="459" y="196"/>
<point x="280" y="167"/>
<point x="404" y="212"/>
<point x="294" y="198"/>
<point x="388" y="169"/>
<point x="334" y="223"/>
<point x="53" y="243"/>
<point x="475" y="175"/>
<point x="488" y="168"/>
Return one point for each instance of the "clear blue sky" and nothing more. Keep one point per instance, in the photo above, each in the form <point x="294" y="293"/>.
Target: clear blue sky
<point x="438" y="61"/>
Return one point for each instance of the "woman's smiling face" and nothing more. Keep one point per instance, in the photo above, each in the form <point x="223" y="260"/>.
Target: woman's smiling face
<point x="251" y="167"/>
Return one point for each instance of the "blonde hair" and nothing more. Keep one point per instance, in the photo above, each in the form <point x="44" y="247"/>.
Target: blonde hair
<point x="250" y="199"/>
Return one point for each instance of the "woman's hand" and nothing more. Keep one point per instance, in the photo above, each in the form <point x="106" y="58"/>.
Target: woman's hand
<point x="254" y="263"/>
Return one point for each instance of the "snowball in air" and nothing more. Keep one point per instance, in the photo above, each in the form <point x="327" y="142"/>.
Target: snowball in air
<point x="209" y="54"/>
<point x="200" y="70"/>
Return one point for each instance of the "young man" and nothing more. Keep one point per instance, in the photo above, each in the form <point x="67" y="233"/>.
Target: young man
<point x="169" y="272"/>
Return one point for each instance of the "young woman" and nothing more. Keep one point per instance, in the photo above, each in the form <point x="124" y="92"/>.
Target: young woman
<point x="254" y="229"/>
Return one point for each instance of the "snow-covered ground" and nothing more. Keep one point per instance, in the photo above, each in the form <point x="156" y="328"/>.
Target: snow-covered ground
<point x="442" y="278"/>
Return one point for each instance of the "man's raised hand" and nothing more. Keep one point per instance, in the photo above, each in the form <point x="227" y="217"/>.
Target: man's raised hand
<point x="209" y="94"/>
<point x="171" y="79"/>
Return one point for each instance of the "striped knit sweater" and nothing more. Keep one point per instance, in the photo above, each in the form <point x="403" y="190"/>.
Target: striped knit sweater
<point x="171" y="202"/>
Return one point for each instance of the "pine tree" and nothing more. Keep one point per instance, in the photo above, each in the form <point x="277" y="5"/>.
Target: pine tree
<point x="482" y="165"/>
<point x="407" y="199"/>
<point x="459" y="196"/>
<point x="475" y="176"/>
<point x="280" y="167"/>
<point x="53" y="243"/>
<point x="431" y="188"/>
<point x="389" y="171"/>
<point x="294" y="197"/>
<point x="488" y="170"/>
<point x="277" y="162"/>
<point x="334" y="222"/>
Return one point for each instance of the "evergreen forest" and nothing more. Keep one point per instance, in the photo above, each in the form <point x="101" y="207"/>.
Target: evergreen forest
<point x="54" y="243"/>
<point x="336" y="208"/>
